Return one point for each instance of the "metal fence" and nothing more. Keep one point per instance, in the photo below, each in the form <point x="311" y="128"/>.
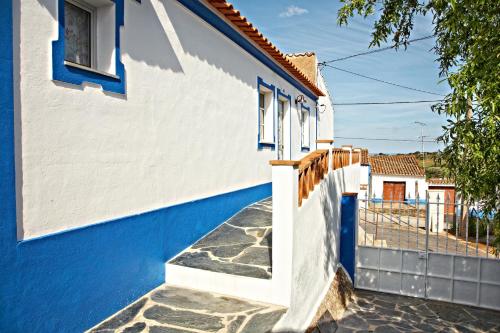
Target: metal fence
<point x="436" y="225"/>
<point x="436" y="249"/>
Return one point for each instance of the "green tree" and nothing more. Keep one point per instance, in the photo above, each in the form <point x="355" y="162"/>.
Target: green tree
<point x="467" y="46"/>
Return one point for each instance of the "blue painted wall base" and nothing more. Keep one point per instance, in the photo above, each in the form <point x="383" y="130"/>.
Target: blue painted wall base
<point x="348" y="213"/>
<point x="68" y="282"/>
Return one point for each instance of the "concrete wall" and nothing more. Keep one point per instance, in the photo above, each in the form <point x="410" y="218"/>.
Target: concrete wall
<point x="315" y="239"/>
<point x="186" y="128"/>
<point x="377" y="184"/>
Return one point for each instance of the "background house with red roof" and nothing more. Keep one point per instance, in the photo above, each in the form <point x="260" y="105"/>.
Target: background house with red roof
<point x="396" y="177"/>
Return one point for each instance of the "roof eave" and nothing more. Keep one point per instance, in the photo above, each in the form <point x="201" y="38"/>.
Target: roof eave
<point x="246" y="28"/>
<point x="395" y="174"/>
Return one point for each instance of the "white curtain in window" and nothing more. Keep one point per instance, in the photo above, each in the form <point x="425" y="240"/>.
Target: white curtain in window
<point x="77" y="26"/>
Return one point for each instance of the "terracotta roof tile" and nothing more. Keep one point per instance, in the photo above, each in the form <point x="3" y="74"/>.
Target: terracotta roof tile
<point x="364" y="156"/>
<point x="242" y="24"/>
<point x="440" y="181"/>
<point x="400" y="165"/>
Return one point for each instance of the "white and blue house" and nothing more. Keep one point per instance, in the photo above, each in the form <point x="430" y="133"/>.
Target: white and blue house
<point x="129" y="129"/>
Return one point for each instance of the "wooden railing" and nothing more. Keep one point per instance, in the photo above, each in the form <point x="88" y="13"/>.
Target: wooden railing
<point x="356" y="157"/>
<point x="312" y="169"/>
<point x="340" y="158"/>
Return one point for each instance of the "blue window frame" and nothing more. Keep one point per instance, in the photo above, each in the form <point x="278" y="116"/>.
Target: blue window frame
<point x="67" y="71"/>
<point x="305" y="128"/>
<point x="266" y="103"/>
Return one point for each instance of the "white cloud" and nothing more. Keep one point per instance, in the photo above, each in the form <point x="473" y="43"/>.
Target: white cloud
<point x="293" y="11"/>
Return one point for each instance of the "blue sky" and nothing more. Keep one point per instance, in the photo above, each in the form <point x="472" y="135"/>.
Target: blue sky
<point x="298" y="26"/>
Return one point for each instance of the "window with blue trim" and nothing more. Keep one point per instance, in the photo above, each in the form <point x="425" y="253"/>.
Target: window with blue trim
<point x="266" y="114"/>
<point x="305" y="127"/>
<point x="88" y="45"/>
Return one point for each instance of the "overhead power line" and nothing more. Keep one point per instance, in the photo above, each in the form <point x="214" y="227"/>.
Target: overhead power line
<point x="373" y="51"/>
<point x="386" y="103"/>
<point x="383" y="81"/>
<point x="384" y="139"/>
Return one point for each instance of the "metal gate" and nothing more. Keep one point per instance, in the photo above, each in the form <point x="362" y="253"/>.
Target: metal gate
<point x="417" y="248"/>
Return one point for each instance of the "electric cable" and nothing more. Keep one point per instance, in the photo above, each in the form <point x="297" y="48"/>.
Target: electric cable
<point x="373" y="51"/>
<point x="383" y="81"/>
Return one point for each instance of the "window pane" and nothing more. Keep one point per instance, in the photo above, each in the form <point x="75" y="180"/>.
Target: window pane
<point x="77" y="34"/>
<point x="261" y="100"/>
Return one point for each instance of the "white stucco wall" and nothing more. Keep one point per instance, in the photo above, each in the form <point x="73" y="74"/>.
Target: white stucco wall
<point x="364" y="179"/>
<point x="315" y="228"/>
<point x="326" y="113"/>
<point x="378" y="185"/>
<point x="186" y="129"/>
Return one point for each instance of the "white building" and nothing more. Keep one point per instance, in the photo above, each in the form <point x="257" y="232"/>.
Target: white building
<point x="143" y="105"/>
<point x="130" y="129"/>
<point x="396" y="177"/>
<point x="364" y="178"/>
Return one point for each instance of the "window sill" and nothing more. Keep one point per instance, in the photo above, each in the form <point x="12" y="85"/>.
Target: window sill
<point x="266" y="145"/>
<point x="85" y="68"/>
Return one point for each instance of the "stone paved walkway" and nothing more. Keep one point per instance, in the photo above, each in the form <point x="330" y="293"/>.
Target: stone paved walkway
<point x="170" y="309"/>
<point x="240" y="246"/>
<point x="386" y="313"/>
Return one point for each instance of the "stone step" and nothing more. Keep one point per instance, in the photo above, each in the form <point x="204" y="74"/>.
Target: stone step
<point x="234" y="259"/>
<point x="235" y="285"/>
<point x="240" y="246"/>
<point x="170" y="309"/>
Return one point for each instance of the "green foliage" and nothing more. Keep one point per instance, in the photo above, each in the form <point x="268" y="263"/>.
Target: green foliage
<point x="467" y="34"/>
<point x="434" y="172"/>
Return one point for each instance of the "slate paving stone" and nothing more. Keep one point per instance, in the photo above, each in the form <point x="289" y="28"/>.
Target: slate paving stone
<point x="257" y="232"/>
<point x="136" y="328"/>
<point x="163" y="329"/>
<point x="353" y="321"/>
<point x="485" y="315"/>
<point x="386" y="329"/>
<point x="495" y="329"/>
<point x="203" y="261"/>
<point x="393" y="313"/>
<point x="263" y="322"/>
<point x="235" y="324"/>
<point x="252" y="217"/>
<point x="230" y="248"/>
<point x="260" y="256"/>
<point x="171" y="309"/>
<point x="449" y="312"/>
<point x="267" y="240"/>
<point x="188" y="319"/>
<point x="425" y="327"/>
<point x="464" y="329"/>
<point x="197" y="300"/>
<point x="121" y="318"/>
<point x="223" y="236"/>
<point x="228" y="251"/>
<point x="326" y="323"/>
